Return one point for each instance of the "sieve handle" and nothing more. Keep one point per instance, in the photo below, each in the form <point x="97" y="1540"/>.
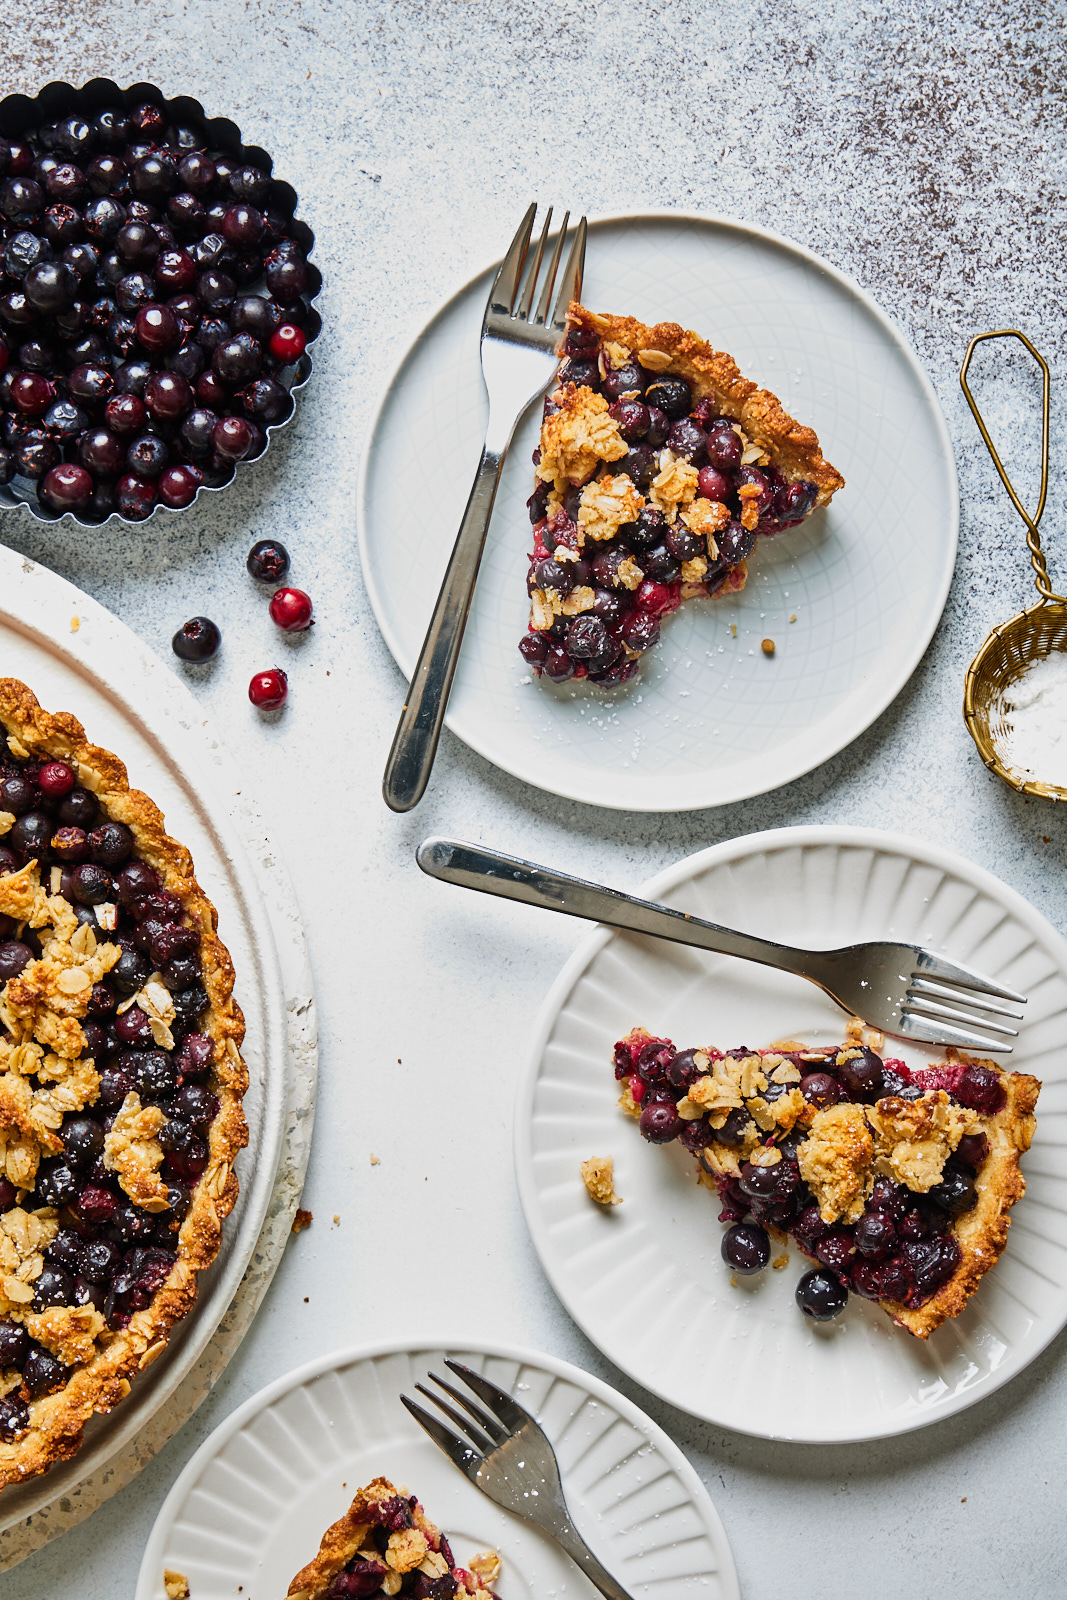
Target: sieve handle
<point x="1033" y="538"/>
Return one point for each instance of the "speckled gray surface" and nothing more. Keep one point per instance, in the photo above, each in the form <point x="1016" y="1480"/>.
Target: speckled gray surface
<point x="919" y="148"/>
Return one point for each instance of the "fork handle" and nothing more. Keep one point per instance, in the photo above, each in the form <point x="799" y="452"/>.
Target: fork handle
<point x="572" y="1542"/>
<point x="411" y="758"/>
<point x="492" y="872"/>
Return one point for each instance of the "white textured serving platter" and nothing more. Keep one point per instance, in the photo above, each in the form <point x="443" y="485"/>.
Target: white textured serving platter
<point x="645" y="1279"/>
<point x="249" y="1509"/>
<point x="710" y="718"/>
<point x="77" y="657"/>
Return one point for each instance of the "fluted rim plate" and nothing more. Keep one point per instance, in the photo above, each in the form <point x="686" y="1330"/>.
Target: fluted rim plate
<point x="645" y="1279"/>
<point x="249" y="1509"/>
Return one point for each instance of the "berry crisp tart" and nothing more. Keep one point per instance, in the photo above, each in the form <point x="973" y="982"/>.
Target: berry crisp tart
<point x="658" y="469"/>
<point x="384" y="1545"/>
<point x="897" y="1182"/>
<point x="121" y="1083"/>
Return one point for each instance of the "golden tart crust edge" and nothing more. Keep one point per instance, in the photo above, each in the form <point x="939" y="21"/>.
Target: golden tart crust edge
<point x="983" y="1232"/>
<point x="793" y="447"/>
<point x="57" y="1421"/>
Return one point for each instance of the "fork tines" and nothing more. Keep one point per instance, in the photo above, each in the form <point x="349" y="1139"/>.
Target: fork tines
<point x="512" y="296"/>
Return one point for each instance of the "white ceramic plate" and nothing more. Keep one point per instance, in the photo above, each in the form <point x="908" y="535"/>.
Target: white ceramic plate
<point x="249" y="1509"/>
<point x="645" y="1279"/>
<point x="130" y="704"/>
<point x="710" y="718"/>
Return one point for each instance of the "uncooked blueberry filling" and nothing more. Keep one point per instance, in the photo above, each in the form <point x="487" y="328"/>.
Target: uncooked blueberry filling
<point x="865" y="1162"/>
<point x="669" y="512"/>
<point x="105" y="1106"/>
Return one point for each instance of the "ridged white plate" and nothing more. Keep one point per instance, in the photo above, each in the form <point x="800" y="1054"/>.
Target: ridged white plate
<point x="710" y="718"/>
<point x="249" y="1509"/>
<point x="645" y="1279"/>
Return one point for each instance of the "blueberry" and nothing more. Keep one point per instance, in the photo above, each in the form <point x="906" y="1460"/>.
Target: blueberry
<point x="197" y="640"/>
<point x="821" y="1295"/>
<point x="672" y="396"/>
<point x="746" y="1247"/>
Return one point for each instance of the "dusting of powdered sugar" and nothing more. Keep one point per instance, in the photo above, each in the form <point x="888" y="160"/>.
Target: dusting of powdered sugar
<point x="1034" y="739"/>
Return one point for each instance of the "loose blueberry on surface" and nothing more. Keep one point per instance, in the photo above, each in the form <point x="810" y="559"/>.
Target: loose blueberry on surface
<point x="821" y="1295"/>
<point x="269" y="690"/>
<point x="746" y="1247"/>
<point x="291" y="610"/>
<point x="268" y="561"/>
<point x="197" y="640"/>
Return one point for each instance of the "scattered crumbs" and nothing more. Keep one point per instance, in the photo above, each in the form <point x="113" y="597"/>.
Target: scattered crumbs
<point x="399" y="1062"/>
<point x="302" y="1220"/>
<point x="733" y="630"/>
<point x="963" y="1500"/>
<point x="176" y="1585"/>
<point x="793" y="618"/>
<point x="1045" y="839"/>
<point x="336" y="1219"/>
<point x="779" y="1262"/>
<point x="305" y="1299"/>
<point x="375" y="1161"/>
<point x="75" y="624"/>
<point x="733" y="1280"/>
<point x="767" y="646"/>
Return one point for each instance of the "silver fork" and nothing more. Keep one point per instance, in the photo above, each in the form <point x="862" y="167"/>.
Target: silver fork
<point x="509" y="1458"/>
<point x="900" y="988"/>
<point x="518" y="348"/>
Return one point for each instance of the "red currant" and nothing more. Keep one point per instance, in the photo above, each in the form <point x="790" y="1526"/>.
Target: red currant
<point x="55" y="780"/>
<point x="287" y="342"/>
<point x="269" y="690"/>
<point x="291" y="610"/>
<point x="32" y="393"/>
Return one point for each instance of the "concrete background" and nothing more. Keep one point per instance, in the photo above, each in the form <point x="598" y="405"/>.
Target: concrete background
<point x="918" y="147"/>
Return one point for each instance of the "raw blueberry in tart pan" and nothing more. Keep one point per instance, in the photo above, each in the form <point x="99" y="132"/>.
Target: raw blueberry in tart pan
<point x="121" y="1083"/>
<point x="386" y="1545"/>
<point x="155" y="301"/>
<point x="897" y="1182"/>
<point x="659" y="469"/>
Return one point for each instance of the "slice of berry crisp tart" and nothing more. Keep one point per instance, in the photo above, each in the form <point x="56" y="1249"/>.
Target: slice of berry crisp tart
<point x="384" y="1545"/>
<point x="659" y="468"/>
<point x="897" y="1182"/>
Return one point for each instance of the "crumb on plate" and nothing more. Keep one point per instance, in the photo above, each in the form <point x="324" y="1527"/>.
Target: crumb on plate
<point x="176" y="1585"/>
<point x="302" y="1220"/>
<point x="598" y="1175"/>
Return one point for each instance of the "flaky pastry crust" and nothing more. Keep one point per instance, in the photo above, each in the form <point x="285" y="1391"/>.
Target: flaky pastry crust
<point x="793" y="447"/>
<point x="57" y="1421"/>
<point x="983" y="1232"/>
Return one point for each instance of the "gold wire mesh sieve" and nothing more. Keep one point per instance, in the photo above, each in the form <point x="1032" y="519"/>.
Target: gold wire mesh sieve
<point x="1015" y="645"/>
